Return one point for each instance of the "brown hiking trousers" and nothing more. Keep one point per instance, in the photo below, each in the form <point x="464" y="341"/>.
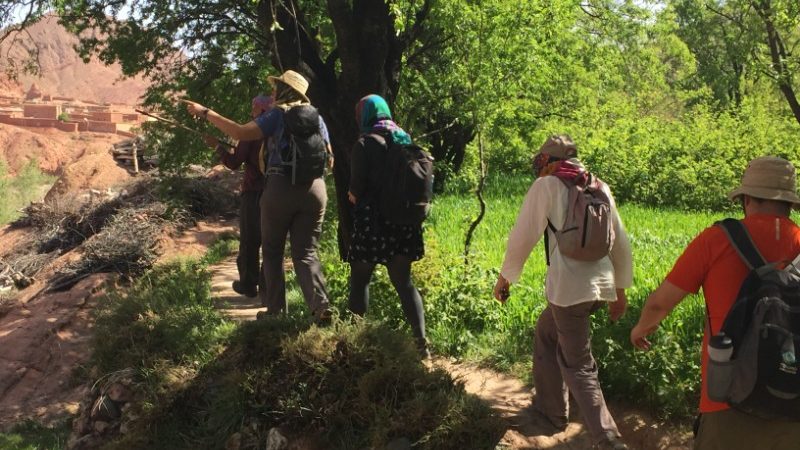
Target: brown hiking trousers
<point x="298" y="211"/>
<point x="734" y="430"/>
<point x="563" y="363"/>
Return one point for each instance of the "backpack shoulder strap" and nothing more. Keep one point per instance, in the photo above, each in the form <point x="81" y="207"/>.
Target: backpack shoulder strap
<point x="378" y="138"/>
<point x="742" y="242"/>
<point x="547" y="230"/>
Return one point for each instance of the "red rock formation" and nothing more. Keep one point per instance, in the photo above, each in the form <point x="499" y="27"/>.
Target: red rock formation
<point x="33" y="93"/>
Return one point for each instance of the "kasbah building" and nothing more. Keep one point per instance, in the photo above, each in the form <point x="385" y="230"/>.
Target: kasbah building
<point x="42" y="110"/>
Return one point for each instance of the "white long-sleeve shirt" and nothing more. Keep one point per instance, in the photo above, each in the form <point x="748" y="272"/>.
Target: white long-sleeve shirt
<point x="568" y="282"/>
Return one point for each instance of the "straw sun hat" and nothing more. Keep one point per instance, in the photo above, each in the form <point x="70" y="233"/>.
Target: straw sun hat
<point x="768" y="178"/>
<point x="294" y="80"/>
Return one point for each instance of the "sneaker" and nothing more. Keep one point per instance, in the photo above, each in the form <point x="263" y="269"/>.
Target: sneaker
<point x="242" y="290"/>
<point x="610" y="443"/>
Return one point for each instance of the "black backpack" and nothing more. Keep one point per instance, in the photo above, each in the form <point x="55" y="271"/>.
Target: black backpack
<point x="407" y="186"/>
<point x="306" y="156"/>
<point x="762" y="377"/>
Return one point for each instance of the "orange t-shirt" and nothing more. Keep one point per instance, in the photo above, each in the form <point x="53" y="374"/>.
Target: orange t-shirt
<point x="711" y="262"/>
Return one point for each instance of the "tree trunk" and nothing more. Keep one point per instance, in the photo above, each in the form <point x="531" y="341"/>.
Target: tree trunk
<point x="369" y="53"/>
<point x="778" y="55"/>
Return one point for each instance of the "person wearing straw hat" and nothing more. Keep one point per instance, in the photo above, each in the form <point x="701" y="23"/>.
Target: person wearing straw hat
<point x="287" y="208"/>
<point x="767" y="194"/>
<point x="249" y="154"/>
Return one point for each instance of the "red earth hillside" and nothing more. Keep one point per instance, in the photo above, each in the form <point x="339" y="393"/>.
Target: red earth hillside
<point x="62" y="72"/>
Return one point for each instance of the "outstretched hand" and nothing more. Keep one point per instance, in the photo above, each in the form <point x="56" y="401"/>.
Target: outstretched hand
<point x="193" y="108"/>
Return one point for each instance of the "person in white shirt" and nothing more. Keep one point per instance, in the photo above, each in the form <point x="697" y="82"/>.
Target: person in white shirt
<point x="562" y="356"/>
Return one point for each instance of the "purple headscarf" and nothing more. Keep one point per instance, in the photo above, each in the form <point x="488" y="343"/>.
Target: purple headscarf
<point x="263" y="102"/>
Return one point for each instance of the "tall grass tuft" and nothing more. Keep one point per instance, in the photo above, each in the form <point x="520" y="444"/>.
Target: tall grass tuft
<point x="18" y="191"/>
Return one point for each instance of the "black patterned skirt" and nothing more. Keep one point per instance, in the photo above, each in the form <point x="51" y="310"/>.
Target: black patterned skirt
<point x="377" y="241"/>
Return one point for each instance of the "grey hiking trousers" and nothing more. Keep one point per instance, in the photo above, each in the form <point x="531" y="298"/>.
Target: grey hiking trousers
<point x="248" y="260"/>
<point x="563" y="363"/>
<point x="298" y="211"/>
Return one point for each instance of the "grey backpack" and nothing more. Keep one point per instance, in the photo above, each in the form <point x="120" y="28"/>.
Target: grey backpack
<point x="762" y="376"/>
<point x="587" y="233"/>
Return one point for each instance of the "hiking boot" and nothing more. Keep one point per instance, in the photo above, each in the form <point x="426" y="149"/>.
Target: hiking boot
<point x="264" y="315"/>
<point x="240" y="289"/>
<point x="558" y="424"/>
<point x="323" y="317"/>
<point x="422" y="348"/>
<point x="611" y="442"/>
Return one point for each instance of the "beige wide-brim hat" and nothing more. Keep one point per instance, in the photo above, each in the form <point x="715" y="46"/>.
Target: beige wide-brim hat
<point x="560" y="146"/>
<point x="769" y="178"/>
<point x="294" y="80"/>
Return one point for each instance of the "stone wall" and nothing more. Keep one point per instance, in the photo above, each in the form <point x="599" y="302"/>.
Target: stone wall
<point x="41" y="111"/>
<point x="101" y="127"/>
<point x="40" y="123"/>
<point x="106" y="116"/>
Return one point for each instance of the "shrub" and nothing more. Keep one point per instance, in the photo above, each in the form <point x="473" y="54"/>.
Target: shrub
<point x="166" y="315"/>
<point x="199" y="196"/>
<point x="353" y="385"/>
<point x="689" y="162"/>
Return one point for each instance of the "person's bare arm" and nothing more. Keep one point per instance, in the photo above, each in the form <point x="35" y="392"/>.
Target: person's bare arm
<point x="658" y="305"/>
<point x="241" y="132"/>
<point x="617" y="309"/>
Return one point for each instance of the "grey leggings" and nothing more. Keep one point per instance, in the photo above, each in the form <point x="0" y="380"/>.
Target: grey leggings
<point x="400" y="274"/>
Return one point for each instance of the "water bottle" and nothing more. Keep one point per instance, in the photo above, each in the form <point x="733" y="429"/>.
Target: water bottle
<point x="720" y="348"/>
<point x="720" y="368"/>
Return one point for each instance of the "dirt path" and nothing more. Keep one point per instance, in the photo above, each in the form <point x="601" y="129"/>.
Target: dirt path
<point x="233" y="305"/>
<point x="511" y="397"/>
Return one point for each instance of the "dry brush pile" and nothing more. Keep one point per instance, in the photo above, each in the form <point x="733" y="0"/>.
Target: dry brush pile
<point x="114" y="232"/>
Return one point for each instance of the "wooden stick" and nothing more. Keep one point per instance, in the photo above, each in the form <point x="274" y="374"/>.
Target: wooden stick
<point x="135" y="158"/>
<point x="181" y="126"/>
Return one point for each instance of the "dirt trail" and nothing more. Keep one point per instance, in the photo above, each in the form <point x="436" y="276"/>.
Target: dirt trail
<point x="233" y="305"/>
<point x="511" y="398"/>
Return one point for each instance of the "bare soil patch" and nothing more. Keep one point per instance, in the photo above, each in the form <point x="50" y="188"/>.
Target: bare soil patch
<point x="45" y="336"/>
<point x="98" y="171"/>
<point x="51" y="149"/>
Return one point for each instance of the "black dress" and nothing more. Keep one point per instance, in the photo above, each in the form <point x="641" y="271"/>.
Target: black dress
<point x="374" y="239"/>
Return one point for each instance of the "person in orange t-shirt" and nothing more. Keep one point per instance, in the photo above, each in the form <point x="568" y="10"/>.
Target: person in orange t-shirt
<point x="767" y="194"/>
